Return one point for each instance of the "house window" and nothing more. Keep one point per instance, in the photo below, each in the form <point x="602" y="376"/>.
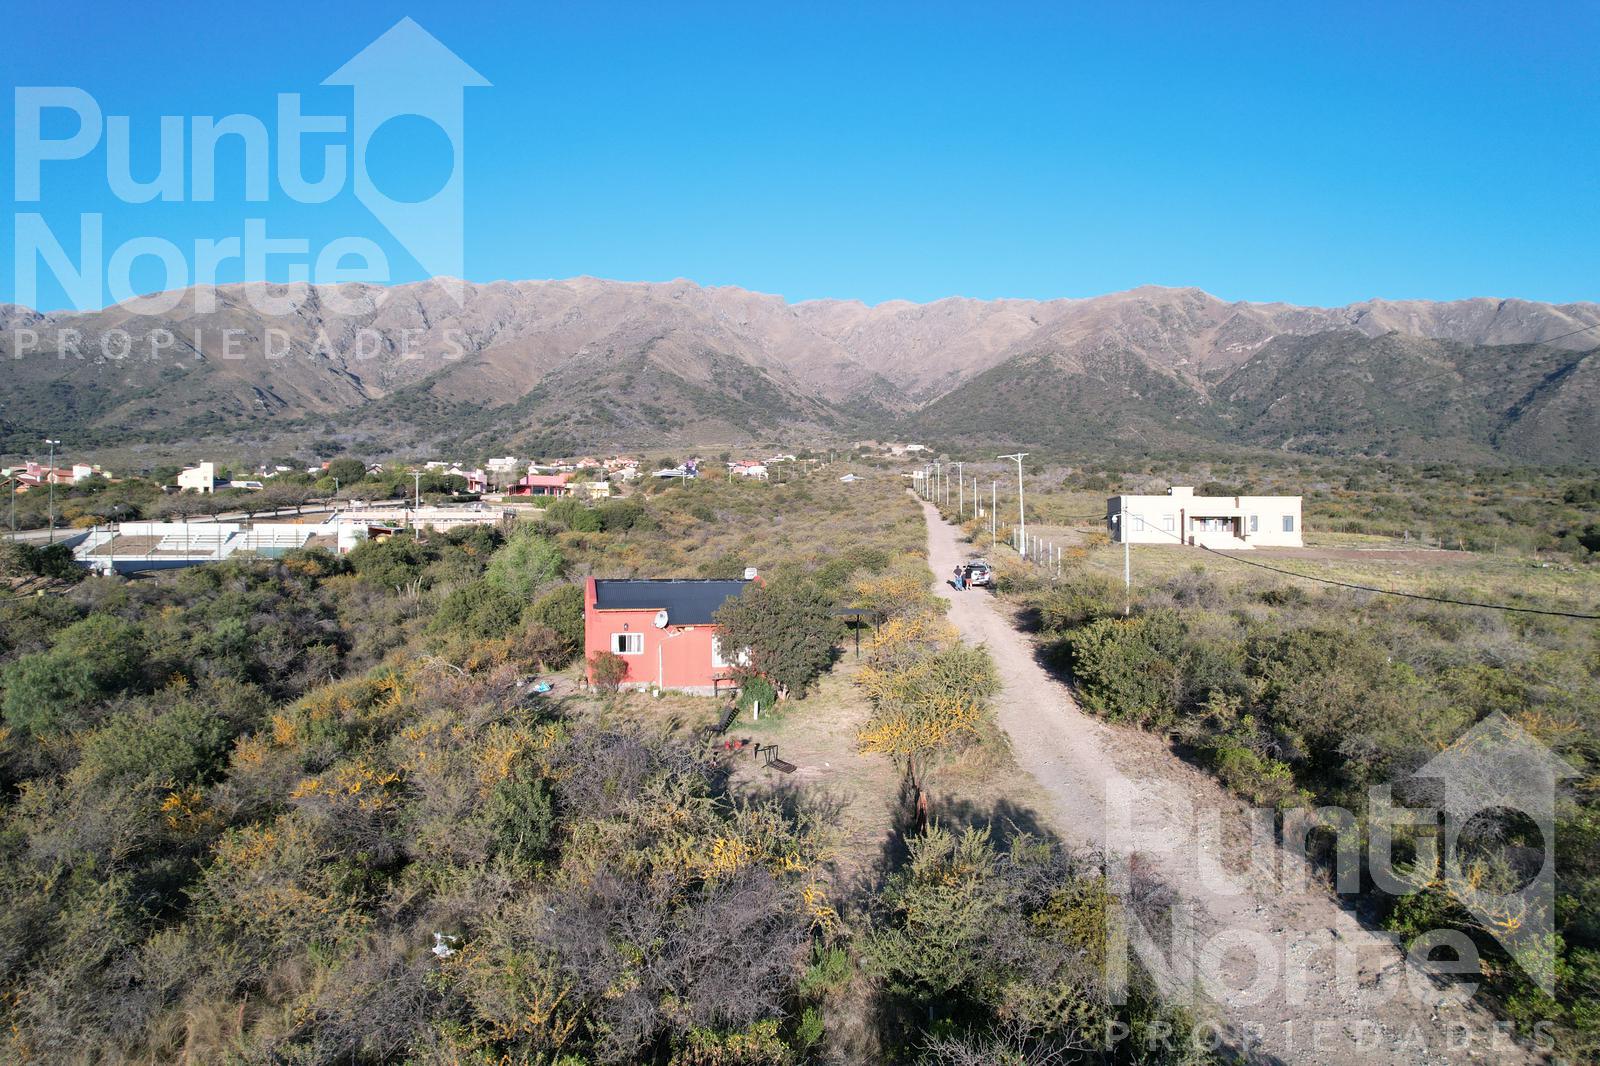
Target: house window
<point x="1138" y="523"/>
<point x="627" y="643"/>
<point x="719" y="662"/>
<point x="1255" y="523"/>
<point x="1169" y="523"/>
<point x="1288" y="523"/>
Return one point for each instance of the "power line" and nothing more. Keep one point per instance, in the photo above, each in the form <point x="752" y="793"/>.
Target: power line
<point x="1397" y="592"/>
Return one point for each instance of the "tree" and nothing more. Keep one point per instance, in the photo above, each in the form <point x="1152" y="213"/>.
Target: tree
<point x="787" y="630"/>
<point x="348" y="471"/>
<point x="47" y="693"/>
<point x="527" y="561"/>
<point x="278" y="497"/>
<point x="561" y="612"/>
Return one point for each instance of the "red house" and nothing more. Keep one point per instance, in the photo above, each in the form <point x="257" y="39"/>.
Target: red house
<point x="662" y="629"/>
<point x="541" y="485"/>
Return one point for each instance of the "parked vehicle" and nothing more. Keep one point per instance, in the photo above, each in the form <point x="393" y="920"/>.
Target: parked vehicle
<point x="978" y="572"/>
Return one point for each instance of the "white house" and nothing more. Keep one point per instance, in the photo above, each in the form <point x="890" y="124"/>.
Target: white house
<point x="1181" y="517"/>
<point x="202" y="478"/>
<point x="477" y="481"/>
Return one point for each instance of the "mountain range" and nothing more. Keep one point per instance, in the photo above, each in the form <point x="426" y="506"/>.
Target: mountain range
<point x="556" y="366"/>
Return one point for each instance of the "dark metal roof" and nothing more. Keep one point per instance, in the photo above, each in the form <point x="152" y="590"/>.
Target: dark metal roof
<point x="687" y="602"/>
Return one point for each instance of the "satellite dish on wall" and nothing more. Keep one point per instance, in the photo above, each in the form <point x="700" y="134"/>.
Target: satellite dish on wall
<point x="661" y="620"/>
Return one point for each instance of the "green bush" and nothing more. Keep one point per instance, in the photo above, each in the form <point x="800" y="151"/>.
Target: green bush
<point x="619" y="516"/>
<point x="1079" y="600"/>
<point x="52" y="691"/>
<point x="479" y="610"/>
<point x="522" y="810"/>
<point x="184" y="744"/>
<point x="528" y="560"/>
<point x="756" y="690"/>
<point x="561" y="611"/>
<point x="390" y="563"/>
<point x="47" y="693"/>
<point x="572" y="514"/>
<point x="1129" y="669"/>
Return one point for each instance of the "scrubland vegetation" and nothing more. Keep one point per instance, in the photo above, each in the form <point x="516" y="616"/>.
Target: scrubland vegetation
<point x="308" y="810"/>
<point x="1297" y="694"/>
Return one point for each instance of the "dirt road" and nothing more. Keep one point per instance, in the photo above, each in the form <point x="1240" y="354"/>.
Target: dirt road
<point x="1292" y="975"/>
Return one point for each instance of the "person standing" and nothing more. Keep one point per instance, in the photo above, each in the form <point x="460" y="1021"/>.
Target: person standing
<point x="961" y="580"/>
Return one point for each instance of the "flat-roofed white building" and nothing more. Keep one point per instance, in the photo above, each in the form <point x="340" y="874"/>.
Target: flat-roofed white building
<point x="201" y="478"/>
<point x="1226" y="522"/>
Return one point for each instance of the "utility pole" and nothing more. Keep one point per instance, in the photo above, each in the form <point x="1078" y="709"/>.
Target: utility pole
<point x="1127" y="574"/>
<point x="1022" y="514"/>
<point x="1127" y="558"/>
<point x="50" y="474"/>
<point x="994" y="518"/>
<point x="961" y="490"/>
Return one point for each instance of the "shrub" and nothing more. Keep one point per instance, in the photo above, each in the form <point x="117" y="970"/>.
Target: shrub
<point x="391" y="563"/>
<point x="50" y="691"/>
<point x="607" y="670"/>
<point x="522" y="810"/>
<point x="561" y="612"/>
<point x="1079" y="600"/>
<point x="478" y="611"/>
<point x="756" y="690"/>
<point x="619" y="516"/>
<point x="932" y="702"/>
<point x="1129" y="669"/>
<point x="47" y="693"/>
<point x="184" y="744"/>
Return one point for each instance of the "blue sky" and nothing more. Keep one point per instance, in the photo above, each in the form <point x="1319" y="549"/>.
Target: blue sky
<point x="1309" y="153"/>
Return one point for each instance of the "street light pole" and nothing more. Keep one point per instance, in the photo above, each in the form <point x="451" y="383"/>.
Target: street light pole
<point x="50" y="475"/>
<point x="994" y="519"/>
<point x="1022" y="514"/>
